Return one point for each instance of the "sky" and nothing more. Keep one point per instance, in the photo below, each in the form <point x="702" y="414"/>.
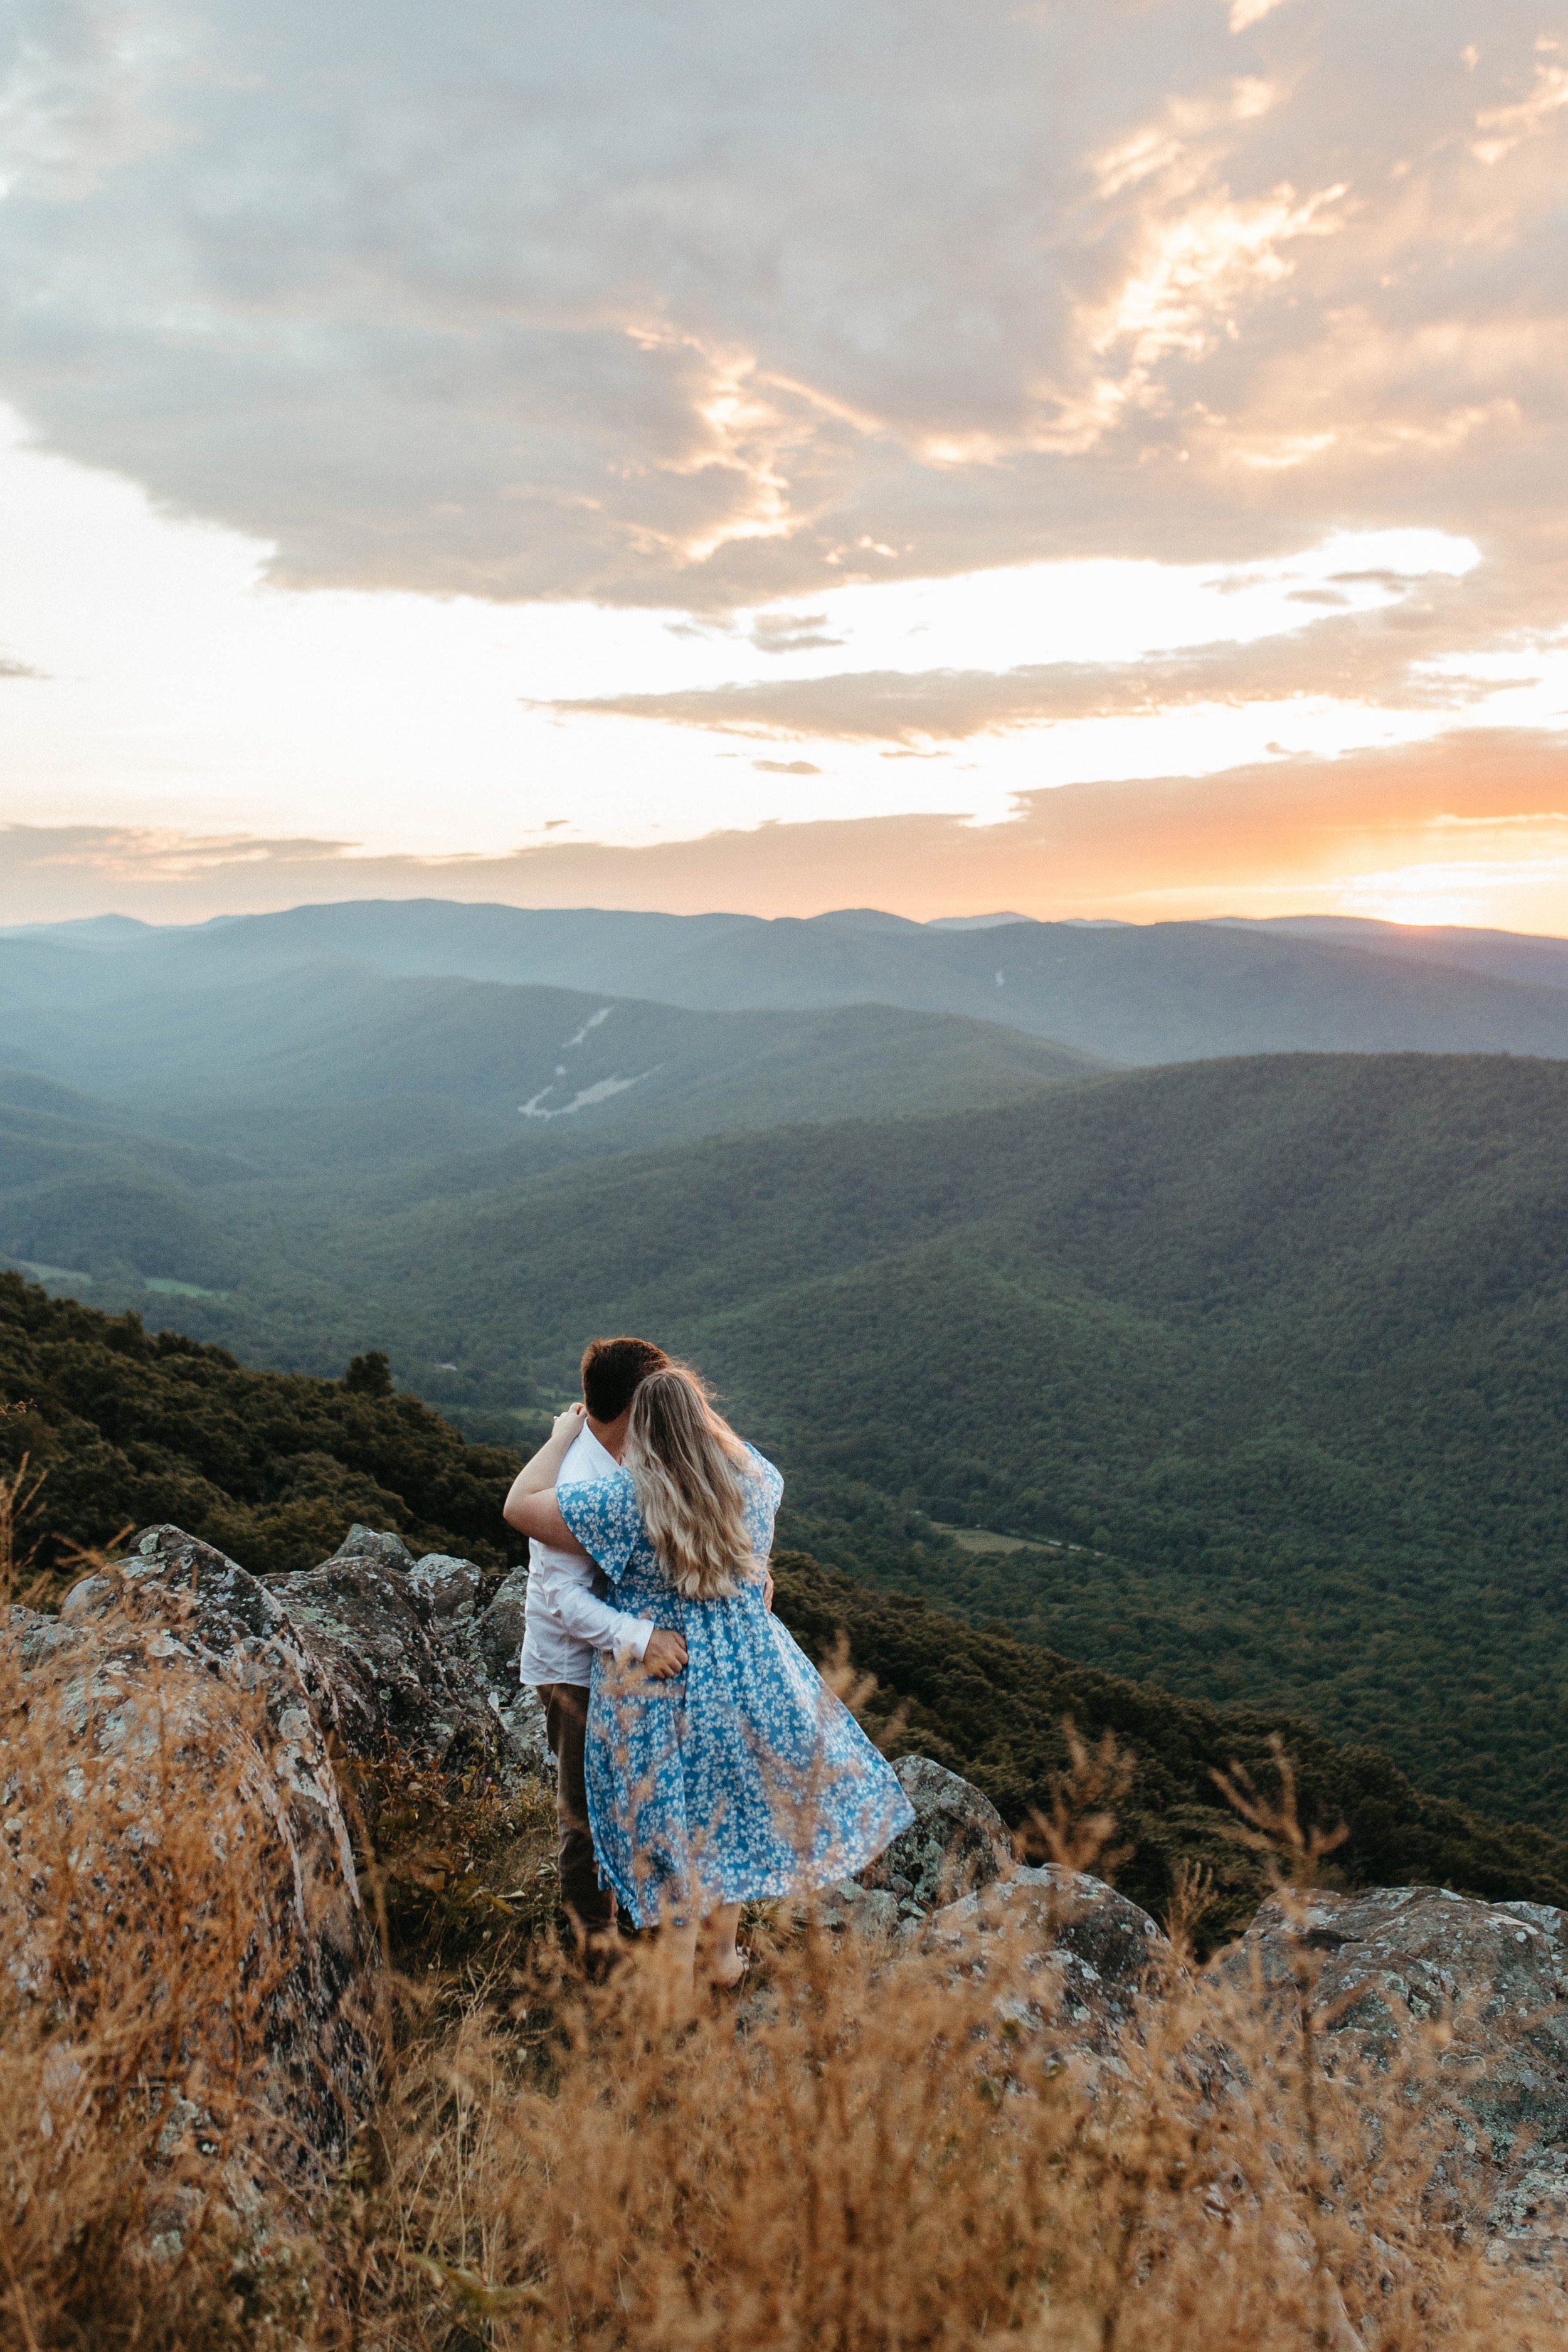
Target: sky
<point x="1090" y="461"/>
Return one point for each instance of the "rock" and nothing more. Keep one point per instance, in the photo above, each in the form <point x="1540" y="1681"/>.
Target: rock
<point x="412" y="1660"/>
<point x="957" y="1842"/>
<point x="108" y="1663"/>
<point x="451" y="1586"/>
<point x="1091" y="1950"/>
<point x="868" y="1910"/>
<point x="481" y="1658"/>
<point x="501" y="1628"/>
<point x="365" y="1627"/>
<point x="387" y="1549"/>
<point x="1386" y="1959"/>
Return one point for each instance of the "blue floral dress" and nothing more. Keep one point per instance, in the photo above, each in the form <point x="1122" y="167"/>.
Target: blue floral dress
<point x="739" y="1778"/>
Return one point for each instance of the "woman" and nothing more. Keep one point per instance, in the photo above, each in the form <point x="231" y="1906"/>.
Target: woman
<point x="743" y="1775"/>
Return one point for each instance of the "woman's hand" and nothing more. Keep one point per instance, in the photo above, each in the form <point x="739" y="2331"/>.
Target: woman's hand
<point x="537" y="1475"/>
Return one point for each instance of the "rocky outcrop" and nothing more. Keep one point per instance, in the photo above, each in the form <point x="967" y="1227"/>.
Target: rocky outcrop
<point x="416" y="1657"/>
<point x="180" y="1653"/>
<point x="1087" y="1958"/>
<point x="1382" y="1964"/>
<point x="957" y="1842"/>
<point x="267" y="1683"/>
<point x="374" y="1646"/>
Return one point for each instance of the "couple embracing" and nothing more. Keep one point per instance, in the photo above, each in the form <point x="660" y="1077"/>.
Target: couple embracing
<point x="701" y="1762"/>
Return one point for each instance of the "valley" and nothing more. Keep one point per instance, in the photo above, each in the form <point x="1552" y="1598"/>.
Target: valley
<point x="1252" y="1367"/>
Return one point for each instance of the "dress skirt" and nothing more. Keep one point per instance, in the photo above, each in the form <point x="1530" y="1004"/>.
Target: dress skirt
<point x="742" y="1778"/>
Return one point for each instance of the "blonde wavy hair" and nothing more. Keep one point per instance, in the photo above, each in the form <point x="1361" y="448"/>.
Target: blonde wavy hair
<point x="691" y="1475"/>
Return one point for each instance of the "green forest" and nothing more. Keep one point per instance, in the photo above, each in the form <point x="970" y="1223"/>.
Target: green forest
<point x="124" y="1427"/>
<point x="130" y="1427"/>
<point x="1267" y="1359"/>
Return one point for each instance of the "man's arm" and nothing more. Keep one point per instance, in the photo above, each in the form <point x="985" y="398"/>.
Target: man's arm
<point x="566" y="1590"/>
<point x="567" y="1593"/>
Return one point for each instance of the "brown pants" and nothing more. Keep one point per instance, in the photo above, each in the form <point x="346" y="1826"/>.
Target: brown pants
<point x="590" y="1906"/>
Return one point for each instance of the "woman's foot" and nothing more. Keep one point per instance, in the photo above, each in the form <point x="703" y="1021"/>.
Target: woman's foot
<point x="726" y="1971"/>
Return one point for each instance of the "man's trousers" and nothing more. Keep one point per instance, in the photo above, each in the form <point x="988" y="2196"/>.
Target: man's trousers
<point x="590" y="1907"/>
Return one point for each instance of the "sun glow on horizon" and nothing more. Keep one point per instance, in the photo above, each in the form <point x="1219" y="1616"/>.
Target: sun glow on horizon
<point x="1526" y="894"/>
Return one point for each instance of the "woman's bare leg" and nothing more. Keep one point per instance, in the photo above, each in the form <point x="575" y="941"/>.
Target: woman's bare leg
<point x="721" y="1962"/>
<point x="677" y="1947"/>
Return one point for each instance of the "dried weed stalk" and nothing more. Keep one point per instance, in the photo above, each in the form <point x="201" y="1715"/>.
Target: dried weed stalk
<point x="877" y="2149"/>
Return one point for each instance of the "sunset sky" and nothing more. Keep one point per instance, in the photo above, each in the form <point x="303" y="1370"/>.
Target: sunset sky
<point x="1087" y="459"/>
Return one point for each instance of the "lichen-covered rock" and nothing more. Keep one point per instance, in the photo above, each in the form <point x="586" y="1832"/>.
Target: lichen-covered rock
<point x="381" y="1545"/>
<point x="1086" y="1953"/>
<point x="957" y="1842"/>
<point x="182" y="1645"/>
<point x="414" y="1660"/>
<point x="870" y="1911"/>
<point x="1384" y="1961"/>
<point x="503" y="1625"/>
<point x="481" y="1659"/>
<point x="451" y="1586"/>
<point x="366" y="1628"/>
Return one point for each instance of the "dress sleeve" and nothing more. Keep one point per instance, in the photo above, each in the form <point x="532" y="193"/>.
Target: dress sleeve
<point x="603" y="1515"/>
<point x="762" y="1503"/>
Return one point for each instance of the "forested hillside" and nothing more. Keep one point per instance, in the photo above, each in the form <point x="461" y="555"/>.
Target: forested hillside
<point x="1286" y="1339"/>
<point x="1280" y="1343"/>
<point x="330" y="1067"/>
<point x="125" y="1427"/>
<point x="130" y="1427"/>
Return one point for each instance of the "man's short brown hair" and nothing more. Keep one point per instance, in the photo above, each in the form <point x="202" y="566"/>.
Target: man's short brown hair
<point x="612" y="1370"/>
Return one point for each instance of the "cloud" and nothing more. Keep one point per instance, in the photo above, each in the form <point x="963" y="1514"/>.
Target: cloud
<point x="786" y="767"/>
<point x="708" y="305"/>
<point x="1489" y="810"/>
<point x="1505" y="126"/>
<point x="1386" y="658"/>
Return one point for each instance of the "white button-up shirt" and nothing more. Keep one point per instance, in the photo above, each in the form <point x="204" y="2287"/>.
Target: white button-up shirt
<point x="568" y="1617"/>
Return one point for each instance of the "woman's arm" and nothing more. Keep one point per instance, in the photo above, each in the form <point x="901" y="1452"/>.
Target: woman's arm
<point x="535" y="1483"/>
<point x="540" y="1516"/>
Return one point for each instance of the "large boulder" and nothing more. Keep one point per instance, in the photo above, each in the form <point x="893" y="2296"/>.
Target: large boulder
<point x="180" y="1671"/>
<point x="956" y="1843"/>
<point x="1082" y="1959"/>
<point x="502" y="1626"/>
<point x="1382" y="1964"/>
<point x="481" y="1642"/>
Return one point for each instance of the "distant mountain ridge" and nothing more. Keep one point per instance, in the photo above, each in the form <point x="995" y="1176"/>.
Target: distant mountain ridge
<point x="1126" y="993"/>
<point x="333" y="1062"/>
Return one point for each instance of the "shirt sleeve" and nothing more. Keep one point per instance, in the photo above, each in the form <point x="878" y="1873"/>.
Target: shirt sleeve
<point x="565" y="1589"/>
<point x="762" y="1503"/>
<point x="603" y="1515"/>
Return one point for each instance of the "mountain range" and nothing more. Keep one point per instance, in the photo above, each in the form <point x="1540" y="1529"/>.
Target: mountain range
<point x="1124" y="993"/>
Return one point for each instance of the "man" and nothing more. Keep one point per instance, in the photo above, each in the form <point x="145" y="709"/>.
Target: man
<point x="568" y="1618"/>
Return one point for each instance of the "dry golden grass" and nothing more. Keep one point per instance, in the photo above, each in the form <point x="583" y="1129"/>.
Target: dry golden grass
<point x="873" y="2151"/>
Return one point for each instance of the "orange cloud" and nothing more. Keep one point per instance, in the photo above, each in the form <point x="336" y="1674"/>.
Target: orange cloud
<point x="1473" y="828"/>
